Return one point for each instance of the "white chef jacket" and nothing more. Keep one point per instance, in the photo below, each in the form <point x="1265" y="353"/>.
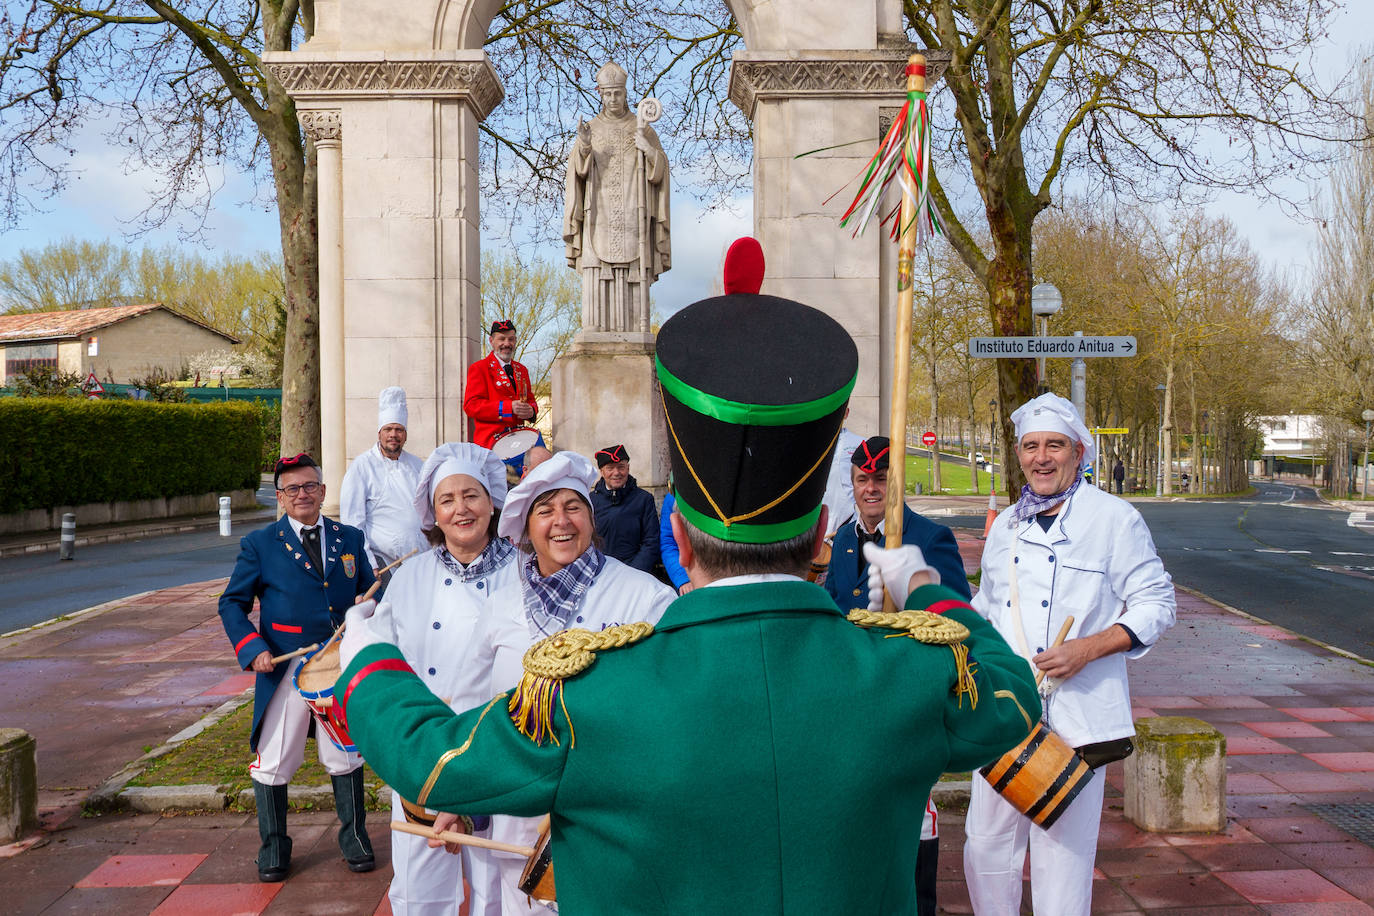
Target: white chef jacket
<point x="839" y="485"/>
<point x="619" y="594"/>
<point x="1096" y="563"/>
<point x="378" y="496"/>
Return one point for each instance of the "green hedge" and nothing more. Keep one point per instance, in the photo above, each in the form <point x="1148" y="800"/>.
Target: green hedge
<point x="65" y="452"/>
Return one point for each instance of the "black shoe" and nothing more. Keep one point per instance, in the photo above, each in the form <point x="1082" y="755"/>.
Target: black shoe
<point x="361" y="863"/>
<point x="273" y="873"/>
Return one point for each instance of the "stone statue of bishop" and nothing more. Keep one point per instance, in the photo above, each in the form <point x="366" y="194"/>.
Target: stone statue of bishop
<point x="615" y="214"/>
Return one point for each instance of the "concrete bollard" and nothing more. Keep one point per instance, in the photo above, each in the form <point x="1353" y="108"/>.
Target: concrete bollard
<point x="18" y="784"/>
<point x="1175" y="782"/>
<point x="67" y="546"/>
<point x="224" y="520"/>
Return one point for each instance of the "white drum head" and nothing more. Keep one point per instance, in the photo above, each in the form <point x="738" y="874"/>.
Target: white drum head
<point x="514" y="442"/>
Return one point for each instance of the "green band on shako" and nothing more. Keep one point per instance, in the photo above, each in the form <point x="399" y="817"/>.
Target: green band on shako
<point x="745" y="532"/>
<point x="742" y="414"/>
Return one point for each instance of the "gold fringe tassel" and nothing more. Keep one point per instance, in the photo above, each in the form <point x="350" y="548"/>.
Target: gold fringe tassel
<point x="933" y="630"/>
<point x="964" y="676"/>
<point x="531" y="708"/>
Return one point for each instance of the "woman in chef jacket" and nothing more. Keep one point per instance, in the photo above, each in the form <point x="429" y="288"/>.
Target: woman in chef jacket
<point x="563" y="581"/>
<point x="435" y="612"/>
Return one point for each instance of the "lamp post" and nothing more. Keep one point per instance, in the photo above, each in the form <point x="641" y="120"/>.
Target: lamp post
<point x="1159" y="465"/>
<point x="1368" y="416"/>
<point x="1045" y="301"/>
<point x="994" y="446"/>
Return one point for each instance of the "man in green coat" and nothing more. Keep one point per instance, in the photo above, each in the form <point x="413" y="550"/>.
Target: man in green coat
<point x="755" y="752"/>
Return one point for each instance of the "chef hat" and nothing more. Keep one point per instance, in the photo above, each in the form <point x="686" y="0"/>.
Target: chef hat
<point x="565" y="470"/>
<point x="391" y="407"/>
<point x="1050" y="413"/>
<point x="459" y="458"/>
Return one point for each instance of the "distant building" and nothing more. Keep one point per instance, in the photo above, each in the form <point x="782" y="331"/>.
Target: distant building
<point x="1294" y="436"/>
<point x="119" y="343"/>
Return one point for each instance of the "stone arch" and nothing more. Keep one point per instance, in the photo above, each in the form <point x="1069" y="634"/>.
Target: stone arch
<point x="464" y="24"/>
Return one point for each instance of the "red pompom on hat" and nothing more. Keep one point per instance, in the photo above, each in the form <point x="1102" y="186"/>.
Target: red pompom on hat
<point x="744" y="266"/>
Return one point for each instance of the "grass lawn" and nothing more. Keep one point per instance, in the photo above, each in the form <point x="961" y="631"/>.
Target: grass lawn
<point x="219" y="756"/>
<point x="955" y="477"/>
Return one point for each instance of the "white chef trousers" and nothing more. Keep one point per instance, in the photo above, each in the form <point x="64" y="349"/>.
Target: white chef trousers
<point x="515" y="902"/>
<point x="281" y="742"/>
<point x="1061" y="858"/>
<point x="424" y="882"/>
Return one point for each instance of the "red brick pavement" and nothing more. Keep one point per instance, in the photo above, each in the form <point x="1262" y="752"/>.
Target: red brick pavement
<point x="1299" y="721"/>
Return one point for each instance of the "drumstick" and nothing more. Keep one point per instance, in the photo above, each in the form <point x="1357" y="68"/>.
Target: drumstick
<point x="1058" y="640"/>
<point x="386" y="569"/>
<point x="461" y="839"/>
<point x="278" y="659"/>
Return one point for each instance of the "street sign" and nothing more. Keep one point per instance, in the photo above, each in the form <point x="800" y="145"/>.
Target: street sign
<point x="1113" y="431"/>
<point x="927" y="438"/>
<point x="1031" y="347"/>
<point x="93" y="387"/>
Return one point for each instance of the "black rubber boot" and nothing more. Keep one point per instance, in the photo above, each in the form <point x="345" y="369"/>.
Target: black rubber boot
<point x="351" y="806"/>
<point x="274" y="858"/>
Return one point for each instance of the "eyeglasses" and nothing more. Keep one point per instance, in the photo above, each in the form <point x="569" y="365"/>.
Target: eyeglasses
<point x="297" y="488"/>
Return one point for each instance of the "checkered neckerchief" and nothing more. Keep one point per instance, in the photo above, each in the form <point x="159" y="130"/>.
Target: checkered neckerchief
<point x="550" y="601"/>
<point x="492" y="558"/>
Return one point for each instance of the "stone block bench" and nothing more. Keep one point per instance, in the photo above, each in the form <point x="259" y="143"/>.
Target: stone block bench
<point x="1175" y="782"/>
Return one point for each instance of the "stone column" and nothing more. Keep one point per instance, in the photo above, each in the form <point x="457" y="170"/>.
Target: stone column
<point x="801" y="100"/>
<point x="324" y="127"/>
<point x="410" y="243"/>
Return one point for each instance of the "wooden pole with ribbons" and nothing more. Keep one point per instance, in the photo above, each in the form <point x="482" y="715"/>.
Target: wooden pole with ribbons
<point x="901" y="363"/>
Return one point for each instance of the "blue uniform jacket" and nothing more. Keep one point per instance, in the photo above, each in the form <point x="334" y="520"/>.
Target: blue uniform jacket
<point x="296" y="605"/>
<point x="847" y="583"/>
<point x="628" y="524"/>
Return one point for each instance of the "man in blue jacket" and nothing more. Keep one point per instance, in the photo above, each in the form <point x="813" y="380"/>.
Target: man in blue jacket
<point x="847" y="578"/>
<point x="625" y="515"/>
<point x="305" y="570"/>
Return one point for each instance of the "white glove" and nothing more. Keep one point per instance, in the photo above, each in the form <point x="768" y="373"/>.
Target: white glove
<point x="357" y="634"/>
<point x="895" y="568"/>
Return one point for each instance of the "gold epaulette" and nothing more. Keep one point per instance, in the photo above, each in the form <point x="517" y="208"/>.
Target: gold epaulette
<point x="551" y="660"/>
<point x="931" y="629"/>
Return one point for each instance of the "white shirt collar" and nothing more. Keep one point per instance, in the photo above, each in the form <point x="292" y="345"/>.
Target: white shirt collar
<point x="297" y="527"/>
<point x="753" y="579"/>
<point x="859" y="525"/>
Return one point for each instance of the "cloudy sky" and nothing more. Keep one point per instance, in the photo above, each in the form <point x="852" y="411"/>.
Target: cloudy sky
<point x="102" y="199"/>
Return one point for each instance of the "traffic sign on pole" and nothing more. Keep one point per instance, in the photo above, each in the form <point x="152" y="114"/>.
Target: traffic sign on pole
<point x="1031" y="347"/>
<point x="928" y="438"/>
<point x="93" y="387"/>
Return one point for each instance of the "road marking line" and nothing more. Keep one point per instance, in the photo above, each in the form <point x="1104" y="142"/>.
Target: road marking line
<point x="1276" y="550"/>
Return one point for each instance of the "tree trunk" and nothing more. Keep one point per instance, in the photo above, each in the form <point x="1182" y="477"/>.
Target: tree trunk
<point x="1009" y="303"/>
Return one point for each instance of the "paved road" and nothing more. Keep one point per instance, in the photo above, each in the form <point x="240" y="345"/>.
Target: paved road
<point x="1282" y="555"/>
<point x="39" y="586"/>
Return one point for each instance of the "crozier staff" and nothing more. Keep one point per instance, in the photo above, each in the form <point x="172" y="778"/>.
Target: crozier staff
<point x="1065" y="548"/>
<point x="711" y="757"/>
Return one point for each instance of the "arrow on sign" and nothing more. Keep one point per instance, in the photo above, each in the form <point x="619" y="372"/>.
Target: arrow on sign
<point x="1128" y="346"/>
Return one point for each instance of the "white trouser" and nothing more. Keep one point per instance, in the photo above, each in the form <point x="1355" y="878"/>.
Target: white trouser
<point x="425" y="882"/>
<point x="484" y="877"/>
<point x="1061" y="858"/>
<point x="515" y="902"/>
<point x="281" y="742"/>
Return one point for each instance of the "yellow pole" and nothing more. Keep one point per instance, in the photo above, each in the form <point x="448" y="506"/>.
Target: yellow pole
<point x="901" y="364"/>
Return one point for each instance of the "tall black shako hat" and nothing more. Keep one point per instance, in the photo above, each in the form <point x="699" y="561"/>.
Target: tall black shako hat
<point x="754" y="389"/>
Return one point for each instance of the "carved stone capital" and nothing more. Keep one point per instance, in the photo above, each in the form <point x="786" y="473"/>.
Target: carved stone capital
<point x="310" y="78"/>
<point x="322" y="125"/>
<point x="879" y="74"/>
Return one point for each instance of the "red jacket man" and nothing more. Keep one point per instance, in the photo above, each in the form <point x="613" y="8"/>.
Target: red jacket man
<point x="498" y="393"/>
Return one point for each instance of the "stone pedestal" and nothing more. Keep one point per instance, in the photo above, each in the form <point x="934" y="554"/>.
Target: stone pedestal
<point x="1176" y="779"/>
<point x="18" y="784"/>
<point x="605" y="393"/>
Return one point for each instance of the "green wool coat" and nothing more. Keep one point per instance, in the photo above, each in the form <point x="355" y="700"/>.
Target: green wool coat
<point x="756" y="754"/>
